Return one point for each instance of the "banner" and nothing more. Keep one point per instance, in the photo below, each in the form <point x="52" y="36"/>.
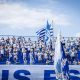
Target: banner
<point x="34" y="72"/>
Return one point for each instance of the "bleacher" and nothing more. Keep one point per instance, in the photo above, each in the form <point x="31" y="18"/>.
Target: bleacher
<point x="30" y="50"/>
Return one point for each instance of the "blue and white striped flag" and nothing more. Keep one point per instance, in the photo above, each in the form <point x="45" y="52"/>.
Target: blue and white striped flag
<point x="41" y="33"/>
<point x="45" y="32"/>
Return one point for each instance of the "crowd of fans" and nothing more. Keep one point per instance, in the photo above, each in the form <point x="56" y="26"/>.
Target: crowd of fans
<point x="21" y="51"/>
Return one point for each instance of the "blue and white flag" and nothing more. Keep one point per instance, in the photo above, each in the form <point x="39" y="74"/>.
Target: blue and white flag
<point x="65" y="64"/>
<point x="45" y="33"/>
<point x="41" y="33"/>
<point x="60" y="62"/>
<point x="58" y="55"/>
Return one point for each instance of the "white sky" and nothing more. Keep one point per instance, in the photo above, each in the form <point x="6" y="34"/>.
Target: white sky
<point x="17" y="19"/>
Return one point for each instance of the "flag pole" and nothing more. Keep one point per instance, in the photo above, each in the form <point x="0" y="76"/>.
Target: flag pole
<point x="53" y="36"/>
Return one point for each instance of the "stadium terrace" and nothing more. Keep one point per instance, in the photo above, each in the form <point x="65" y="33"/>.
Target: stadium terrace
<point x="19" y="50"/>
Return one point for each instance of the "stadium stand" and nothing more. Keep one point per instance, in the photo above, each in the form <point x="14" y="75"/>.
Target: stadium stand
<point x="19" y="50"/>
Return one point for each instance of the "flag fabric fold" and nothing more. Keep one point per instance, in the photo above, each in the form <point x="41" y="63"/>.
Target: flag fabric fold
<point x="58" y="55"/>
<point x="60" y="61"/>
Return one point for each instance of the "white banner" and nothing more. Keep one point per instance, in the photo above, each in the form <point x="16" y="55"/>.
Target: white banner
<point x="34" y="72"/>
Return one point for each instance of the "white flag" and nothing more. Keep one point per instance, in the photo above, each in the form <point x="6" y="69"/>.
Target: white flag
<point x="58" y="56"/>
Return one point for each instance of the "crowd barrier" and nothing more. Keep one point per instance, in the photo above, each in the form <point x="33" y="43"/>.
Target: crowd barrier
<point x="34" y="72"/>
